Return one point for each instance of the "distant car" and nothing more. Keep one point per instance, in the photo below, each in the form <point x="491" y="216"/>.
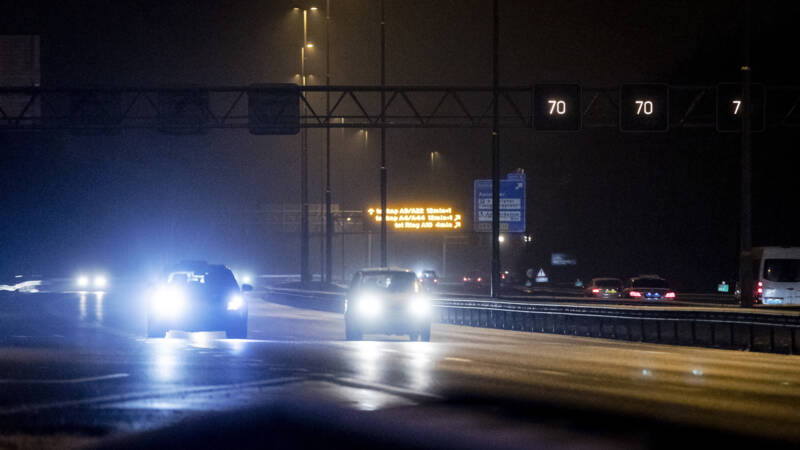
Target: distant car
<point x="474" y="279"/>
<point x="387" y="301"/>
<point x="648" y="287"/>
<point x="507" y="278"/>
<point x="429" y="280"/>
<point x="197" y="296"/>
<point x="91" y="282"/>
<point x="604" y="288"/>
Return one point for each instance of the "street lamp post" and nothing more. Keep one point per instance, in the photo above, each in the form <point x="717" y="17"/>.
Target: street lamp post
<point x="384" y="256"/>
<point x="328" y="214"/>
<point x="304" y="238"/>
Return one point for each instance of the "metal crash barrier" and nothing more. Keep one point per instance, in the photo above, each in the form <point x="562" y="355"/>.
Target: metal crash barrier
<point x="761" y="331"/>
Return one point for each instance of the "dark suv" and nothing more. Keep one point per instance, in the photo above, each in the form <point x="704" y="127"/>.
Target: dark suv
<point x="196" y="296"/>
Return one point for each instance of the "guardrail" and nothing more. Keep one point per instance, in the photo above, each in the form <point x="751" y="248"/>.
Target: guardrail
<point x="761" y="331"/>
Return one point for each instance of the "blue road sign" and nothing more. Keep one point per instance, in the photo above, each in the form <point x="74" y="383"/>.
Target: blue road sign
<point x="512" y="204"/>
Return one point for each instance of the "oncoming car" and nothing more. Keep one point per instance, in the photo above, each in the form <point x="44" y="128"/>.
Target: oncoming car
<point x="198" y="297"/>
<point x="387" y="301"/>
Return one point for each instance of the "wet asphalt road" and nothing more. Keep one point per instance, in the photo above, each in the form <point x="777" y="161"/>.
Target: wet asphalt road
<point x="81" y="360"/>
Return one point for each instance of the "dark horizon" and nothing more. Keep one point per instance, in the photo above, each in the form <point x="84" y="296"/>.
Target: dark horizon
<point x="621" y="203"/>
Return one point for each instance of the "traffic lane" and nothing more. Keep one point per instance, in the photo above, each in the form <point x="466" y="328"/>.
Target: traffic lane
<point x="729" y="389"/>
<point x="733" y="390"/>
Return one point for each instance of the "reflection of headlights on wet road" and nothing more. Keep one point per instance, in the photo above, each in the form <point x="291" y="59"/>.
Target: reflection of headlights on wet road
<point x="420" y="306"/>
<point x="369" y="306"/>
<point x="168" y="302"/>
<point x="235" y="302"/>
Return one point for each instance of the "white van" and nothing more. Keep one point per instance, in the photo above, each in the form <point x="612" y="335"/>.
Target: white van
<point x="776" y="273"/>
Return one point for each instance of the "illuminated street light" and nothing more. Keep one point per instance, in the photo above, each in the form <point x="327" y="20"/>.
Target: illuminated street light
<point x="501" y="239"/>
<point x="309" y="45"/>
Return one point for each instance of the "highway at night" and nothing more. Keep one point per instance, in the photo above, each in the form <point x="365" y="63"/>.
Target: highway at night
<point x="84" y="358"/>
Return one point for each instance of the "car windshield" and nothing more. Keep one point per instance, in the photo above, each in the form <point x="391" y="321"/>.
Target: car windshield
<point x="390" y="282"/>
<point x="429" y="274"/>
<point x="782" y="270"/>
<point x="608" y="283"/>
<point x="649" y="283"/>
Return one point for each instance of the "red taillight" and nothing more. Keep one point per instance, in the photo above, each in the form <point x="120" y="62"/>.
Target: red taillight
<point x="503" y="276"/>
<point x="435" y="280"/>
<point x="466" y="278"/>
<point x="636" y="294"/>
<point x="479" y="279"/>
<point x="595" y="291"/>
<point x="669" y="295"/>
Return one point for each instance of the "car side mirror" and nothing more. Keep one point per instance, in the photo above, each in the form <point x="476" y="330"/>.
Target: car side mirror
<point x="247" y="288"/>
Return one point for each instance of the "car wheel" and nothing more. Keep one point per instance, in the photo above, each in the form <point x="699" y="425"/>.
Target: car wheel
<point x="238" y="330"/>
<point x="425" y="334"/>
<point x="352" y="333"/>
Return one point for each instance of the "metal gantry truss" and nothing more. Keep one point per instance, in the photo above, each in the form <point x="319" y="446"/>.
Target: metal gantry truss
<point x="196" y="109"/>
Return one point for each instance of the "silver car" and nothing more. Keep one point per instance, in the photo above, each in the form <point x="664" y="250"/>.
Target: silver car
<point x="387" y="301"/>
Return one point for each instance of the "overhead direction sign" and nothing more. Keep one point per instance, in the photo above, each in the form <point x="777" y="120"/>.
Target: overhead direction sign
<point x="512" y="204"/>
<point x="418" y="218"/>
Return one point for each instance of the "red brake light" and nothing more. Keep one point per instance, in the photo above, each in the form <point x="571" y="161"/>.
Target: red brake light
<point x="760" y="284"/>
<point x="595" y="291"/>
<point x="669" y="295"/>
<point x="636" y="294"/>
<point x="479" y="279"/>
<point x="465" y="279"/>
<point x="435" y="280"/>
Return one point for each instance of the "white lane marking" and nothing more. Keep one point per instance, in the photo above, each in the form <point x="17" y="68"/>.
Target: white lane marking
<point x="67" y="380"/>
<point x="552" y="372"/>
<point x="453" y="358"/>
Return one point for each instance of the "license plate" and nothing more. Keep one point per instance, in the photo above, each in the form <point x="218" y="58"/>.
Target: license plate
<point x="611" y="291"/>
<point x="772" y="301"/>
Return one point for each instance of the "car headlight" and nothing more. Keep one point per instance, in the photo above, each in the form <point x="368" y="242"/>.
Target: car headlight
<point x="100" y="282"/>
<point x="82" y="281"/>
<point x="235" y="302"/>
<point x="420" y="306"/>
<point x="368" y="306"/>
<point x="168" y="301"/>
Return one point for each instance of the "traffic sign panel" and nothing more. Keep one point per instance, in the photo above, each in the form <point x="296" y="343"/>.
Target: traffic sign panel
<point x="512" y="204"/>
<point x="643" y="107"/>
<point x="730" y="107"/>
<point x="557" y="107"/>
<point x="274" y="108"/>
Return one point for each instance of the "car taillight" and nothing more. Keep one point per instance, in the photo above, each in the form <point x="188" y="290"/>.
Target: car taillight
<point x="595" y="291"/>
<point x="503" y="276"/>
<point x="669" y="295"/>
<point x="636" y="294"/>
<point x="435" y="280"/>
<point x="479" y="279"/>
<point x="466" y="278"/>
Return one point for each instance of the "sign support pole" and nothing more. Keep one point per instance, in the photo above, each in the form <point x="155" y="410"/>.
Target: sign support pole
<point x="495" y="277"/>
